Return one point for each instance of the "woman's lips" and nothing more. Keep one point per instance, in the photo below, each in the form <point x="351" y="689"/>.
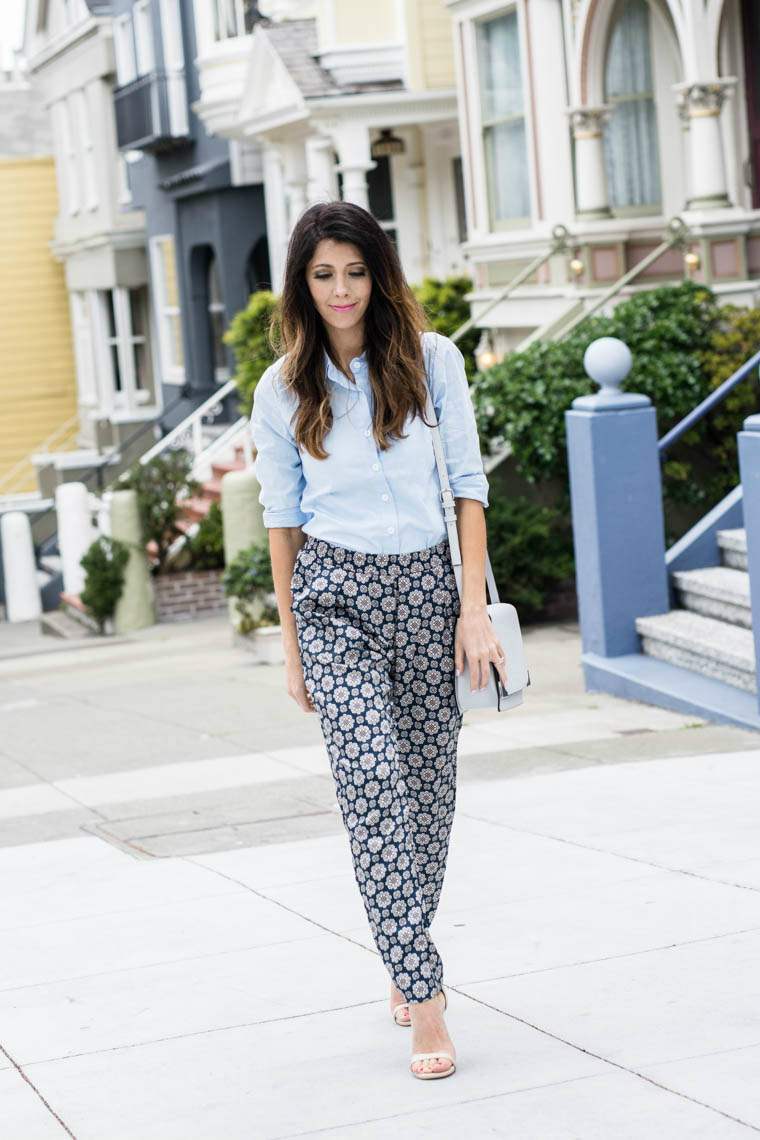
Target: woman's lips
<point x="343" y="308"/>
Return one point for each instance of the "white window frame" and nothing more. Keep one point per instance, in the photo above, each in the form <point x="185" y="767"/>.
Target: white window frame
<point x="225" y="8"/>
<point x="502" y="224"/>
<point x="82" y="110"/>
<point x="172" y="372"/>
<point x="84" y="355"/>
<point x="174" y="66"/>
<point x="129" y="398"/>
<point x="124" y="50"/>
<point x="145" y="56"/>
<point x="69" y="156"/>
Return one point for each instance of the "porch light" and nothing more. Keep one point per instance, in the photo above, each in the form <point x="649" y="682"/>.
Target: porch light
<point x="577" y="267"/>
<point x="387" y="144"/>
<point x="485" y="357"/>
<point x="691" y="261"/>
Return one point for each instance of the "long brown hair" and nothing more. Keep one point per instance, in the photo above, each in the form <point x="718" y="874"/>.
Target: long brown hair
<point x="393" y="324"/>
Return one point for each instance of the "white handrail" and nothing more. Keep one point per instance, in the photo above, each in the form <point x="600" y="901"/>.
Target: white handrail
<point x="191" y="423"/>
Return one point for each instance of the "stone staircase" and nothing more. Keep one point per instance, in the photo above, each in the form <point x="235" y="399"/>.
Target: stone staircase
<point x="711" y="631"/>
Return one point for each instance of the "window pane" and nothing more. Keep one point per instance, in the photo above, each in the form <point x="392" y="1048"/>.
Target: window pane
<point x="630" y="138"/>
<point x="225" y="19"/>
<point x="176" y="340"/>
<point x="138" y="309"/>
<point x="507" y="171"/>
<point x="142" y="373"/>
<point x="110" y="313"/>
<point x="499" y="66"/>
<point x="143" y="38"/>
<point x="380" y="191"/>
<point x="170" y="272"/>
<point x="115" y="366"/>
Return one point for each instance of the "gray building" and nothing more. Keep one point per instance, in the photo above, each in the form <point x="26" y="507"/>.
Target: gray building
<point x="202" y="198"/>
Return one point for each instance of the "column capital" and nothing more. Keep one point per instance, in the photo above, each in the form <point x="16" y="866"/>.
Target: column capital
<point x="588" y="122"/>
<point x="703" y="98"/>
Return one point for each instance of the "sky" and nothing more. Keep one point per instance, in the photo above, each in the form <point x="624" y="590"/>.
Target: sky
<point x="11" y="26"/>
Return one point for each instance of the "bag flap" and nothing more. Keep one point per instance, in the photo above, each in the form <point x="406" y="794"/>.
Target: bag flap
<point x="507" y="626"/>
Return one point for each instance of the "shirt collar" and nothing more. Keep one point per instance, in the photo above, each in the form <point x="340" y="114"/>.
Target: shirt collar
<point x="337" y="376"/>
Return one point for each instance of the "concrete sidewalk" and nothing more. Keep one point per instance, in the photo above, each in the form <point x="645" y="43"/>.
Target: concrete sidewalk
<point x="184" y="952"/>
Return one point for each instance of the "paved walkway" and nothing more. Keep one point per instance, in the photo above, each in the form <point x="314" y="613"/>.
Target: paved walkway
<point x="184" y="953"/>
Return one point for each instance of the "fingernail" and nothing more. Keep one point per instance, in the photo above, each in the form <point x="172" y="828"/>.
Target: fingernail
<point x="458" y="672"/>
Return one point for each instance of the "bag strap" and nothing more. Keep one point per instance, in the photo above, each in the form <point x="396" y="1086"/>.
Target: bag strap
<point x="446" y="496"/>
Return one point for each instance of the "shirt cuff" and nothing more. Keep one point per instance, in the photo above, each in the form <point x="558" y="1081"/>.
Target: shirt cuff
<point x="471" y="487"/>
<point x="283" y="516"/>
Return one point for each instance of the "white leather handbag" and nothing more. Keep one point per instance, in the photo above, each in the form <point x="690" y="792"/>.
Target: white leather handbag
<point x="502" y="614"/>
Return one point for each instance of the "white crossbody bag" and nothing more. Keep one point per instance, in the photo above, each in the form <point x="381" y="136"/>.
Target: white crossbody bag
<point x="503" y="615"/>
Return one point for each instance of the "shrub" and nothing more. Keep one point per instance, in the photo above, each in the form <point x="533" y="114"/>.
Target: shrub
<point x="105" y="563"/>
<point x="249" y="580"/>
<point x="446" y="308"/>
<point x="524" y="398"/>
<point x="249" y="335"/>
<point x="530" y="547"/>
<point x="159" y="483"/>
<point x="206" y="547"/>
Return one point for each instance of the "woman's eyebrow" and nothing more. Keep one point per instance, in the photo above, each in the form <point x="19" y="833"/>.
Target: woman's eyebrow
<point x="326" y="264"/>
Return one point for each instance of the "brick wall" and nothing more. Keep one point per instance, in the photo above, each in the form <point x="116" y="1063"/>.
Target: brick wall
<point x="187" y="594"/>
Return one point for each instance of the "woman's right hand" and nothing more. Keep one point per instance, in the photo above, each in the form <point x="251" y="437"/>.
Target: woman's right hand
<point x="295" y="684"/>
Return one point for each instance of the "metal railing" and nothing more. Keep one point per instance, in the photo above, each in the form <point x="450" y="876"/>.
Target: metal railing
<point x="695" y="415"/>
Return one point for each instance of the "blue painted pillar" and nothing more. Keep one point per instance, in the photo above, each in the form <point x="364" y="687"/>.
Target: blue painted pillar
<point x="749" y="474"/>
<point x="616" y="501"/>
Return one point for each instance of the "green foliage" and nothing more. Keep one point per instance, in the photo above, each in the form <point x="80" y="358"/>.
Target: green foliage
<point x="158" y="483"/>
<point x="248" y="579"/>
<point x="250" y="337"/>
<point x="206" y="547"/>
<point x="530" y="547"/>
<point x="104" y="562"/>
<point x="524" y="398"/>
<point x="445" y="305"/>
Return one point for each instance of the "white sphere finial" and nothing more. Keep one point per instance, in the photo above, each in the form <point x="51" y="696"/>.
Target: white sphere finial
<point x="608" y="361"/>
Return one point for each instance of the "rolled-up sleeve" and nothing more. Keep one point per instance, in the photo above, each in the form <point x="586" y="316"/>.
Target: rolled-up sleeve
<point x="456" y="419"/>
<point x="278" y="464"/>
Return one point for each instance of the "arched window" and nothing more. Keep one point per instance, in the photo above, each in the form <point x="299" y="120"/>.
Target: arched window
<point x="630" y="137"/>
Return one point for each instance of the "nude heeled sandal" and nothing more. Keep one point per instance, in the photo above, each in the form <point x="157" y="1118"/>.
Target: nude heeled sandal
<point x="396" y="1008"/>
<point x="431" y="1076"/>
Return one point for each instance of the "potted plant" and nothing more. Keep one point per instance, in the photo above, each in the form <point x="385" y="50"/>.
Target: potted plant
<point x="105" y="565"/>
<point x="248" y="579"/>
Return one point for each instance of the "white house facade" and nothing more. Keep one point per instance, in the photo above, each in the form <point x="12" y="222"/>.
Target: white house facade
<point x="610" y="117"/>
<point x="343" y="100"/>
<point x="69" y="49"/>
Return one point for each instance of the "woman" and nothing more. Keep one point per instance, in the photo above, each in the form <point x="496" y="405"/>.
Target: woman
<point x="371" y="618"/>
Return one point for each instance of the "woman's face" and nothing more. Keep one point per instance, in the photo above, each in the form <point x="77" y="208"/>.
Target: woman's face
<point x="340" y="284"/>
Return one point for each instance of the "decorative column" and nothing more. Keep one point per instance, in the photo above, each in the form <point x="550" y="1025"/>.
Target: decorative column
<point x="320" y="164"/>
<point x="616" y="502"/>
<point x="591" y="195"/>
<point x="296" y="179"/>
<point x="355" y="160"/>
<point x="749" y="475"/>
<point x="702" y="104"/>
<point x="276" y="214"/>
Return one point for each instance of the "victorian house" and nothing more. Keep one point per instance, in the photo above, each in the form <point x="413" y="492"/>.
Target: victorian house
<point x="612" y="119"/>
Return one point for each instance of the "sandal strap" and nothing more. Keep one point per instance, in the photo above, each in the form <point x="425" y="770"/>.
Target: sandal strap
<point x="425" y="1056"/>
<point x="401" y="1005"/>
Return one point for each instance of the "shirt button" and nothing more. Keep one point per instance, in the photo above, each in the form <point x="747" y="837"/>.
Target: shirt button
<point x="375" y="466"/>
<point x="391" y="529"/>
<point x="383" y="496"/>
<point x="355" y="365"/>
<point x="368" y="431"/>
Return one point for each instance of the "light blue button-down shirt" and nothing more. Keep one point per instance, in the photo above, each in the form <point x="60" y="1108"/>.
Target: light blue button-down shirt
<point x="383" y="502"/>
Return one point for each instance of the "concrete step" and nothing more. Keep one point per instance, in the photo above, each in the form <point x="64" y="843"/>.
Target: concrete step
<point x="219" y="469"/>
<point x="733" y="546"/>
<point x="53" y="563"/>
<point x="212" y="490"/>
<point x="59" y="623"/>
<point x="194" y="509"/>
<point x="716" y="591"/>
<point x="704" y="644"/>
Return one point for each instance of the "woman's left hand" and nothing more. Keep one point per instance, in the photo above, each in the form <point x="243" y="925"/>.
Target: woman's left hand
<point x="475" y="639"/>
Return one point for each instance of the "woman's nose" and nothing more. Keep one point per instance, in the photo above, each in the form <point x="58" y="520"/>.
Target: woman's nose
<point x="341" y="287"/>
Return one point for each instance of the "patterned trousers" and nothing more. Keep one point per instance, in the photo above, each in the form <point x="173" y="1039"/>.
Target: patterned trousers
<point x="376" y="638"/>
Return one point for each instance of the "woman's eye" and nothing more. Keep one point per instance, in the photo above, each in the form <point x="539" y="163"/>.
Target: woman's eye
<point x="322" y="276"/>
<point x="358" y="273"/>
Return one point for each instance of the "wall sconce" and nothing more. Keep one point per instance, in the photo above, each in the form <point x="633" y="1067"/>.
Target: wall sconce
<point x="387" y="145"/>
<point x="692" y="261"/>
<point x="576" y="268"/>
<point x="485" y="357"/>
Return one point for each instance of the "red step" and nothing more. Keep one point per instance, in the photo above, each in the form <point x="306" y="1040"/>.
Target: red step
<point x="220" y="469"/>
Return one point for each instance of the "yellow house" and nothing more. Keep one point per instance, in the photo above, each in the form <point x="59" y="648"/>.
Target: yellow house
<point x="37" y="376"/>
<point x="339" y="99"/>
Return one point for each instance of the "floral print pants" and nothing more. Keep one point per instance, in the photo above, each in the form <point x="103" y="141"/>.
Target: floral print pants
<point x="376" y="638"/>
